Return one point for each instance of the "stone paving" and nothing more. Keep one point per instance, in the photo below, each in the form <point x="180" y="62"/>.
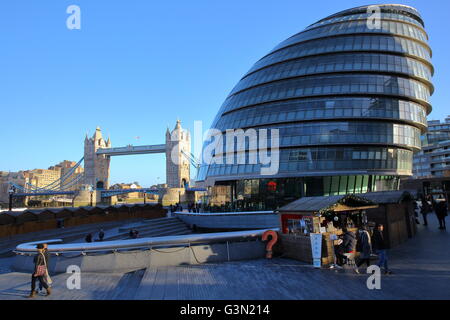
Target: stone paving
<point x="421" y="271"/>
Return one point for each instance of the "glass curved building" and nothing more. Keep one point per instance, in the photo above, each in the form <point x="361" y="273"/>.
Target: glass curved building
<point x="349" y="96"/>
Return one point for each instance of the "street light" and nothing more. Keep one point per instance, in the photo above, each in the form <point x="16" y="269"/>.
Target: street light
<point x="11" y="191"/>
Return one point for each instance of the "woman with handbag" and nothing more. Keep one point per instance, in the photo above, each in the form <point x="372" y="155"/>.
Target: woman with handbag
<point x="40" y="272"/>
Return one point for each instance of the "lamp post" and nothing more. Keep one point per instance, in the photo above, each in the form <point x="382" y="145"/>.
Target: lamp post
<point x="10" y="192"/>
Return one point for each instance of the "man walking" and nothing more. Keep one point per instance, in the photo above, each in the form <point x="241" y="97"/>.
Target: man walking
<point x="380" y="247"/>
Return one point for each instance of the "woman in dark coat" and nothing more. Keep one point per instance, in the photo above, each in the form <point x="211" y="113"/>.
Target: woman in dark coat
<point x="40" y="267"/>
<point x="364" y="247"/>
<point x="349" y="241"/>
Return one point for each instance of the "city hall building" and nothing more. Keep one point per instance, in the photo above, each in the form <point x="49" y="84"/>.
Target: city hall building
<point x="349" y="98"/>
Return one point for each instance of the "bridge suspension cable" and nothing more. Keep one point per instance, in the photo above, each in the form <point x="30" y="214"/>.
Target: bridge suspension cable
<point x="57" y="183"/>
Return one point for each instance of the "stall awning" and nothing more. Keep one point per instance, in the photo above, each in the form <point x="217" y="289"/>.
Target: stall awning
<point x="385" y="197"/>
<point x="319" y="205"/>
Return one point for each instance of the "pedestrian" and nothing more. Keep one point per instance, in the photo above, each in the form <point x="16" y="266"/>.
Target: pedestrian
<point x="88" y="237"/>
<point x="47" y="259"/>
<point x="101" y="235"/>
<point x="349" y="245"/>
<point x="134" y="233"/>
<point x="441" y="213"/>
<point x="364" y="247"/>
<point x="349" y="241"/>
<point x="380" y="247"/>
<point x="339" y="253"/>
<point x="424" y="210"/>
<point x="416" y="212"/>
<point x="40" y="272"/>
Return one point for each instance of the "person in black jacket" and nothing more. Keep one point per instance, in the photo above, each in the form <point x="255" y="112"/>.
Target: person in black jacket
<point x="441" y="213"/>
<point x="379" y="246"/>
<point x="88" y="237"/>
<point x="39" y="262"/>
<point x="101" y="235"/>
<point x="364" y="246"/>
<point x="349" y="241"/>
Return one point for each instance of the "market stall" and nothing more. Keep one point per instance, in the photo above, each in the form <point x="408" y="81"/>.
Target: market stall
<point x="325" y="216"/>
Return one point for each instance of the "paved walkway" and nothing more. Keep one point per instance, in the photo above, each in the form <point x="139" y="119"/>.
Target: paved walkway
<point x="421" y="271"/>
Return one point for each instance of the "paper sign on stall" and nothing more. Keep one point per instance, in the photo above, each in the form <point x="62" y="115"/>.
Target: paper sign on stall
<point x="316" y="248"/>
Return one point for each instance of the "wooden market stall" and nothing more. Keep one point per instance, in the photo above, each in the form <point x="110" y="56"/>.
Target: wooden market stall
<point x="325" y="215"/>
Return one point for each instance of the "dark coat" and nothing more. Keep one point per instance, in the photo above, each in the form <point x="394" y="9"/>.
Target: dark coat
<point x="441" y="210"/>
<point x="378" y="241"/>
<point x="349" y="241"/>
<point x="39" y="260"/>
<point x="366" y="246"/>
<point x="426" y="208"/>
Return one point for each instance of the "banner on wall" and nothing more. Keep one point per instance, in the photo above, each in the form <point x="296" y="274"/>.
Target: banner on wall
<point x="316" y="248"/>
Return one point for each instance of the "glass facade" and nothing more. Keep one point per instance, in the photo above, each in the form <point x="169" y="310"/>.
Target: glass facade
<point x="349" y="101"/>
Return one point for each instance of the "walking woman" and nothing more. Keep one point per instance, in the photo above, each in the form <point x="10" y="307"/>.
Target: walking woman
<point x="40" y="272"/>
<point x="364" y="246"/>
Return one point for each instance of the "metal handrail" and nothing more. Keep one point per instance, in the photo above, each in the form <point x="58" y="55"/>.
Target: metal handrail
<point x="143" y="243"/>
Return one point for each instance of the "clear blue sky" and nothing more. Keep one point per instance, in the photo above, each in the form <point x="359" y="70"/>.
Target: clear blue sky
<point x="135" y="66"/>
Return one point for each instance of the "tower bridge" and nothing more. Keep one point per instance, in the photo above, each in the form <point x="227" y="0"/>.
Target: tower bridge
<point x="131" y="150"/>
<point x="97" y="158"/>
<point x="98" y="153"/>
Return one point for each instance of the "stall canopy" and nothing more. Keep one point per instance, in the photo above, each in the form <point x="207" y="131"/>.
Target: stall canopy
<point x="385" y="197"/>
<point x="6" y="219"/>
<point x="22" y="216"/>
<point x="320" y="205"/>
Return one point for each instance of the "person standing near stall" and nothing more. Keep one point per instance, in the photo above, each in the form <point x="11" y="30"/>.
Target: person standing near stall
<point x="380" y="247"/>
<point x="364" y="247"/>
<point x="349" y="241"/>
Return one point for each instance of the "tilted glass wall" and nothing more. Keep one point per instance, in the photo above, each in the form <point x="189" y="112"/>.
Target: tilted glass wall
<point x="348" y="100"/>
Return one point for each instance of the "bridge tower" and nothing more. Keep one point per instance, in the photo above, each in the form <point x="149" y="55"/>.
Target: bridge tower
<point x="96" y="167"/>
<point x="178" y="171"/>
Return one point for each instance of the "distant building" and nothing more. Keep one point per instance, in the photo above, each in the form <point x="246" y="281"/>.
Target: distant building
<point x="349" y="103"/>
<point x="68" y="174"/>
<point x="40" y="178"/>
<point x="127" y="186"/>
<point x="7" y="177"/>
<point x="434" y="158"/>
